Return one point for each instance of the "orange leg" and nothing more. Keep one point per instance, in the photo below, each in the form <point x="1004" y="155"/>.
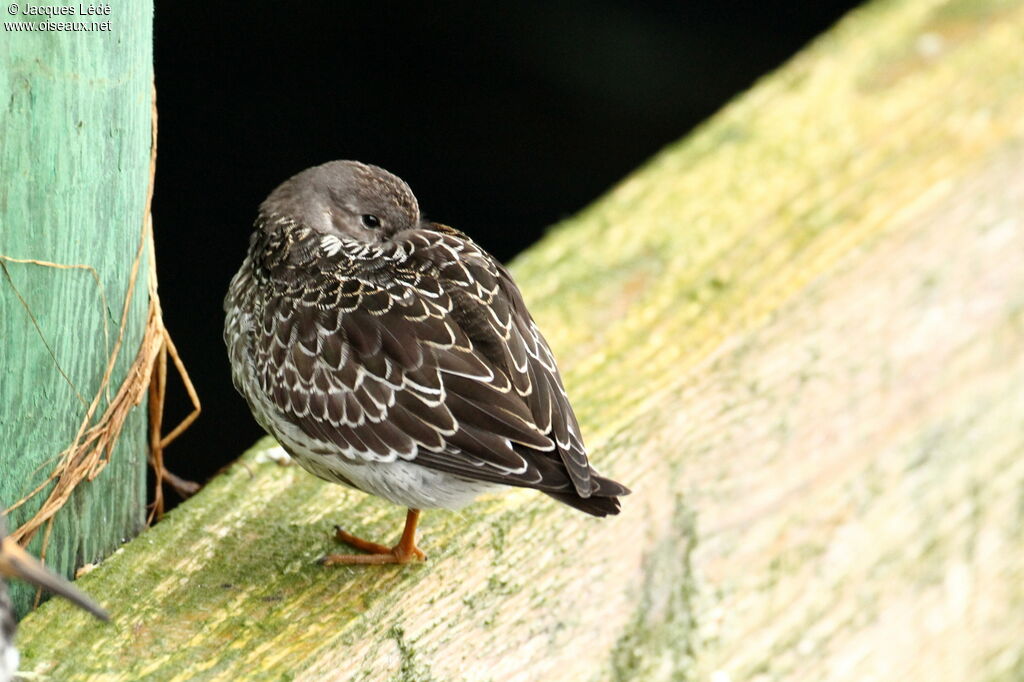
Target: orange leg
<point x="402" y="553"/>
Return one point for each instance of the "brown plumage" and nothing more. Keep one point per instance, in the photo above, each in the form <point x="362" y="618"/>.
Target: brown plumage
<point x="395" y="355"/>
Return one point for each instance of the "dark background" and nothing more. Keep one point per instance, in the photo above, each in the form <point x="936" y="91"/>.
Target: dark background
<point x="503" y="119"/>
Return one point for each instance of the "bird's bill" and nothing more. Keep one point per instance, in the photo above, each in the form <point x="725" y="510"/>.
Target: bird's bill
<point x="17" y="563"/>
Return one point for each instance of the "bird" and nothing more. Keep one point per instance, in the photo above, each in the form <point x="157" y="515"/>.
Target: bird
<point x="394" y="355"/>
<point x="17" y="563"/>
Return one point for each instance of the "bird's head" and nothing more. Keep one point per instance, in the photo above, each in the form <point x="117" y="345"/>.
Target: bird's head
<point x="345" y="199"/>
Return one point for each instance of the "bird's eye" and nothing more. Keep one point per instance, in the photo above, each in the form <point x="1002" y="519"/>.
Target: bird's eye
<point x="370" y="221"/>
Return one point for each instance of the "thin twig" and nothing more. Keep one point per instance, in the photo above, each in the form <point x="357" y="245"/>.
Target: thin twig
<point x="39" y="330"/>
<point x="100" y="289"/>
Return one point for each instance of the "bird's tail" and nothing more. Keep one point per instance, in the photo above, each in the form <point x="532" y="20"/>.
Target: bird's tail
<point x="603" y="500"/>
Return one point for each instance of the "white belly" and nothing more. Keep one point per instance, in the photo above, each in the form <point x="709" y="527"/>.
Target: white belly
<point x="401" y="482"/>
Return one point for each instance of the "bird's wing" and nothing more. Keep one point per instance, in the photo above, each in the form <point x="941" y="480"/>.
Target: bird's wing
<point x="489" y="309"/>
<point x="443" y="366"/>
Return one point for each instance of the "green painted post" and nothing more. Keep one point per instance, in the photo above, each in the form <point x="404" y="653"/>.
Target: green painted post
<point x="75" y="137"/>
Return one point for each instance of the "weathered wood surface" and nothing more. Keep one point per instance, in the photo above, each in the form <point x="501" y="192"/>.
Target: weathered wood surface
<point x="74" y="170"/>
<point x="797" y="334"/>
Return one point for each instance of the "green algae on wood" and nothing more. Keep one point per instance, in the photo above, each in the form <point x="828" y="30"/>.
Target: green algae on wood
<point x="796" y="334"/>
<point x="74" y="163"/>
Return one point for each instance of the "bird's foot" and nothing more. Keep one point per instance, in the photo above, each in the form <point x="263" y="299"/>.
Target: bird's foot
<point x="404" y="552"/>
<point x="375" y="553"/>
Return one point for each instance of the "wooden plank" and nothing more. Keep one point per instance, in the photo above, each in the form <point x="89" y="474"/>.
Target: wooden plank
<point x="74" y="160"/>
<point x="796" y="334"/>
